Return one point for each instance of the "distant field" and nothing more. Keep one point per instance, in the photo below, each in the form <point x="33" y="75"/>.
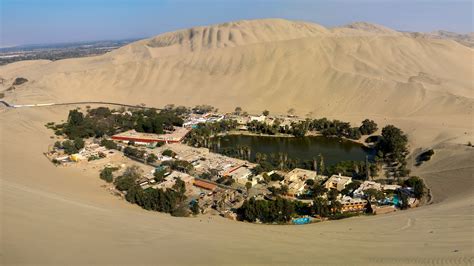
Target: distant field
<point x="58" y="51"/>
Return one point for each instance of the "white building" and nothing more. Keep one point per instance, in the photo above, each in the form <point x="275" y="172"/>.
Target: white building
<point x="258" y="118"/>
<point x="338" y="182"/>
<point x="241" y="175"/>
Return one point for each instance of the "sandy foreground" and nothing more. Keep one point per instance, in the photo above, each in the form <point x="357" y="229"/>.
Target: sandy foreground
<point x="63" y="215"/>
<point x="55" y="215"/>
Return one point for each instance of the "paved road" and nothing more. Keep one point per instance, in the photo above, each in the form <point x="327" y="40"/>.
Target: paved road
<point x="74" y="103"/>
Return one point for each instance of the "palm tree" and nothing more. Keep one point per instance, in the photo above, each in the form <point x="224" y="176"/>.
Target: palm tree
<point x="321" y="163"/>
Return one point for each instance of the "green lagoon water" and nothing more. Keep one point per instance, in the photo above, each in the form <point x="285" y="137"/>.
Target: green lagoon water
<point x="305" y="148"/>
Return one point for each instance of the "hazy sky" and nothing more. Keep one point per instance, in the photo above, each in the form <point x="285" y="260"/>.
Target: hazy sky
<point x="51" y="21"/>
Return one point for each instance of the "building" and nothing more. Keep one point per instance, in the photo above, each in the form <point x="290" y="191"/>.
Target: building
<point x="301" y="174"/>
<point x="146" y="138"/>
<point x="359" y="192"/>
<point x="240" y="175"/>
<point x="352" y="205"/>
<point x="296" y="180"/>
<point x="258" y="118"/>
<point x="204" y="185"/>
<point x="170" y="180"/>
<point x="390" y="187"/>
<point x="338" y="182"/>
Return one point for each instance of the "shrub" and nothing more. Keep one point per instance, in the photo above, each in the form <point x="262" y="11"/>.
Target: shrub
<point x="69" y="147"/>
<point x="19" y="81"/>
<point x="128" y="179"/>
<point x="151" y="158"/>
<point x="426" y="156"/>
<point x="168" y="153"/>
<point x="417" y="184"/>
<point x="109" y="144"/>
<point x="159" y="175"/>
<point x="106" y="174"/>
<point x="79" y="143"/>
<point x="368" y="127"/>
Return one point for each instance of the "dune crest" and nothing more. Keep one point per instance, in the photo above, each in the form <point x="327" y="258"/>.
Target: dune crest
<point x="358" y="69"/>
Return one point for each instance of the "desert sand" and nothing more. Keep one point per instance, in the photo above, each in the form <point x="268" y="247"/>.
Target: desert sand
<point x="62" y="215"/>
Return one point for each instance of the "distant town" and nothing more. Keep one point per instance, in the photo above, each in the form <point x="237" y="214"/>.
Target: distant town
<point x="58" y="51"/>
<point x="171" y="160"/>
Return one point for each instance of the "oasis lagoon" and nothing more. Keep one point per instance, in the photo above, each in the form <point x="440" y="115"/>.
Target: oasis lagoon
<point x="334" y="150"/>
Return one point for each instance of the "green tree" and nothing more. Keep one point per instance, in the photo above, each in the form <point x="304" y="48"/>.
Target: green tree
<point x="318" y="190"/>
<point x="75" y="118"/>
<point x="368" y="127"/>
<point x="109" y="144"/>
<point x="248" y="186"/>
<point x="151" y="158"/>
<point x="79" y="143"/>
<point x="373" y="193"/>
<point x="128" y="178"/>
<point x="238" y="110"/>
<point x="266" y="112"/>
<point x="332" y="194"/>
<point x="322" y="167"/>
<point x="321" y="206"/>
<point x="168" y="153"/>
<point x="69" y="147"/>
<point x="351" y="187"/>
<point x="393" y="142"/>
<point x="159" y="175"/>
<point x="417" y="184"/>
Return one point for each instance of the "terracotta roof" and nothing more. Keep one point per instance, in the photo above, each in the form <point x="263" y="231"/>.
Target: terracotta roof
<point x="205" y="185"/>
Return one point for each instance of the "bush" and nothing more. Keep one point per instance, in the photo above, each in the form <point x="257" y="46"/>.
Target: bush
<point x="69" y="147"/>
<point x="425" y="156"/>
<point x="151" y="158"/>
<point x="128" y="179"/>
<point x="109" y="144"/>
<point x="168" y="153"/>
<point x="19" y="81"/>
<point x="130" y="151"/>
<point x="159" y="175"/>
<point x="106" y="174"/>
<point x="79" y="143"/>
<point x="276" y="177"/>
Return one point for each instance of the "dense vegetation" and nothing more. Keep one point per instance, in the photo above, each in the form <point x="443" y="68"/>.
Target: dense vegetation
<point x="70" y="147"/>
<point x="107" y="174"/>
<point x="278" y="211"/>
<point x="202" y="135"/>
<point x="328" y="128"/>
<point x="167" y="200"/>
<point x="392" y="148"/>
<point x="104" y="121"/>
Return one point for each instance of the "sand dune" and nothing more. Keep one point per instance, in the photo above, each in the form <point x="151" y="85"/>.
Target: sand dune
<point x="423" y="85"/>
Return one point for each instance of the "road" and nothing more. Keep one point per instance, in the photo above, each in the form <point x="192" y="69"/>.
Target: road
<point x="74" y="103"/>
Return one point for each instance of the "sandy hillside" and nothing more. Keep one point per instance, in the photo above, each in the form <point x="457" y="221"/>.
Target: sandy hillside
<point x="424" y="85"/>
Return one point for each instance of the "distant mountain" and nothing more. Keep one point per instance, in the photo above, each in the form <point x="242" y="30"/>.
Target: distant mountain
<point x="464" y="39"/>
